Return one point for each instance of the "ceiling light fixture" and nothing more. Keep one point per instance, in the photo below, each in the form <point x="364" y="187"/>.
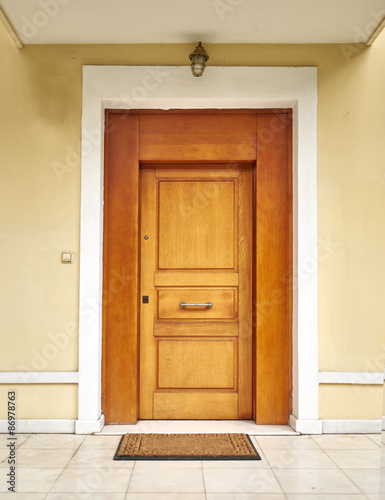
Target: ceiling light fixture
<point x="198" y="60"/>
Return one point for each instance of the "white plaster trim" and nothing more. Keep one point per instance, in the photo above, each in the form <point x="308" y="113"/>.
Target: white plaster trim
<point x="359" y="378"/>
<point x="351" y="426"/>
<point x="168" y="87"/>
<point x="42" y="426"/>
<point x="89" y="426"/>
<point x="198" y="427"/>
<point x="383" y="423"/>
<point x="305" y="426"/>
<point x="39" y="377"/>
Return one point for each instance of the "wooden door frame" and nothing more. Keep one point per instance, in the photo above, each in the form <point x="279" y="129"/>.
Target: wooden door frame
<point x="121" y="135"/>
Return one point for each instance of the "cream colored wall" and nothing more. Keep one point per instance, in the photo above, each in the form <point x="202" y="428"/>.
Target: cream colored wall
<point x="40" y="106"/>
<point x="350" y="401"/>
<point x="41" y="401"/>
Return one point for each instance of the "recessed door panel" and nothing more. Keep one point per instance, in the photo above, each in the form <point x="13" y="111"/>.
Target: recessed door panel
<point x="196" y="270"/>
<point x="197" y="224"/>
<point x="197" y="364"/>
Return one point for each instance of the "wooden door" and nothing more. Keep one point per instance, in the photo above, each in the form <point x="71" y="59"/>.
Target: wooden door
<point x="196" y="248"/>
<point x="197" y="139"/>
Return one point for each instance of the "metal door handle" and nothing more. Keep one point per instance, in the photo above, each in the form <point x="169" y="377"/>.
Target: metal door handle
<point x="183" y="305"/>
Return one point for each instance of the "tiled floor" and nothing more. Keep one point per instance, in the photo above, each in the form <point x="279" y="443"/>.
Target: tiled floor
<point x="68" y="467"/>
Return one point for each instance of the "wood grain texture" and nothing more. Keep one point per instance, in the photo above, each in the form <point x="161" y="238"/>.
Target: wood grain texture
<point x="209" y="137"/>
<point x="245" y="291"/>
<point x="273" y="250"/>
<point x="185" y="361"/>
<point x="175" y="278"/>
<point x="198" y="137"/>
<point x="120" y="285"/>
<point x="148" y="348"/>
<point x="196" y="224"/>
<point x="197" y="364"/>
<point x="196" y="406"/>
<point x="202" y="329"/>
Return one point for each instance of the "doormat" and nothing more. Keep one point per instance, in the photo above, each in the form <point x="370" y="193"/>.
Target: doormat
<point x="186" y="447"/>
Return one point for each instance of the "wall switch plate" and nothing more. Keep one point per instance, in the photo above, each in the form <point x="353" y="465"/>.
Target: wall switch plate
<point x="67" y="257"/>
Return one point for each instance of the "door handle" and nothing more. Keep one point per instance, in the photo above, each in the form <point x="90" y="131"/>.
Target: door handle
<point x="183" y="305"/>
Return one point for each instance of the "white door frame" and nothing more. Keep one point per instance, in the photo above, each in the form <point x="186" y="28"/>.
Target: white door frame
<point x="173" y="87"/>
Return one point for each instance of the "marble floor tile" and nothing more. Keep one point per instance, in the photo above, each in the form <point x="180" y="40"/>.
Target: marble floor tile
<point x="101" y="442"/>
<point x="20" y="439"/>
<point x="315" y="481"/>
<point x="33" y="457"/>
<point x="98" y="458"/>
<point x="166" y="480"/>
<point x="237" y="464"/>
<point x="165" y="496"/>
<point x="375" y="438"/>
<point x="22" y="496"/>
<point x="246" y="496"/>
<point x="84" y="496"/>
<point x="240" y="481"/>
<point x="312" y="496"/>
<point x="345" y="442"/>
<point x="53" y="441"/>
<point x="92" y="480"/>
<point x="367" y="480"/>
<point x="168" y="464"/>
<point x="31" y="480"/>
<point x="286" y="443"/>
<point x="299" y="459"/>
<point x="356" y="459"/>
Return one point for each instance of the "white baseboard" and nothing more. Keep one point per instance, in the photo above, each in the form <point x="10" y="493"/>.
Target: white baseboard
<point x="351" y="426"/>
<point x="41" y="426"/>
<point x="337" y="426"/>
<point x="89" y="426"/>
<point x="305" y="426"/>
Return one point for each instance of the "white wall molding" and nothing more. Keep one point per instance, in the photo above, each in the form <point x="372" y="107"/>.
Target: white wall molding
<point x="170" y="87"/>
<point x="89" y="426"/>
<point x="351" y="426"/>
<point x="383" y="423"/>
<point x="359" y="378"/>
<point x="336" y="426"/>
<point x="305" y="426"/>
<point x="43" y="426"/>
<point x="39" y="377"/>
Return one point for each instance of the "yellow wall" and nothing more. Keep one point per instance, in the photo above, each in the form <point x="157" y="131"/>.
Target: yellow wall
<point x="41" y="401"/>
<point x="40" y="106"/>
<point x="350" y="401"/>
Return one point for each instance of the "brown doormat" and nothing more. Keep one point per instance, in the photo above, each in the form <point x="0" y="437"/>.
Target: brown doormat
<point x="186" y="447"/>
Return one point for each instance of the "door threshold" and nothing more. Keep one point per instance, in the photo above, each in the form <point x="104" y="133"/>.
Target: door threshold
<point x="197" y="426"/>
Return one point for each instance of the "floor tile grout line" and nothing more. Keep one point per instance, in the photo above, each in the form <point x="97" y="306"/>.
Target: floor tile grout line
<point x="351" y="480"/>
<point x="203" y="479"/>
<point x="64" y="468"/>
<point x="129" y="481"/>
<point x="276" y="478"/>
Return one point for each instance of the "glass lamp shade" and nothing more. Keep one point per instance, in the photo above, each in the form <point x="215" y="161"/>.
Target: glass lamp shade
<point x="198" y="65"/>
<point x="198" y="60"/>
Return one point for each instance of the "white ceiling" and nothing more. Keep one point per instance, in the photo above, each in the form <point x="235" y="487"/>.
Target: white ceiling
<point x="179" y="21"/>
